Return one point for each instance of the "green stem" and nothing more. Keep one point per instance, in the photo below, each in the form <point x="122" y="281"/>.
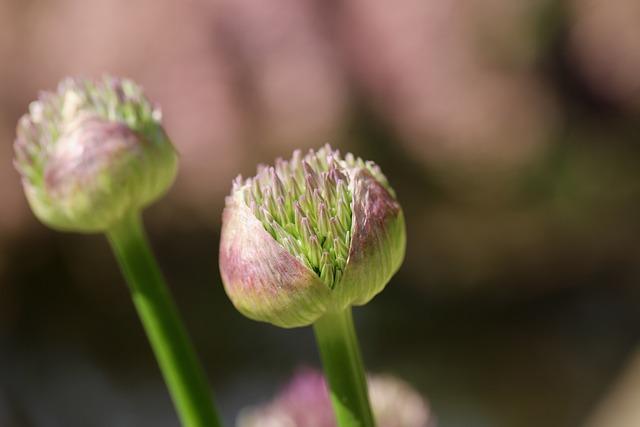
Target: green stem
<point x="340" y="354"/>
<point x="180" y="368"/>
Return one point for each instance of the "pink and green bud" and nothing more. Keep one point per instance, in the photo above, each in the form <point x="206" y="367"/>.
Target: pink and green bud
<point x="305" y="402"/>
<point x="92" y="152"/>
<point x="316" y="233"/>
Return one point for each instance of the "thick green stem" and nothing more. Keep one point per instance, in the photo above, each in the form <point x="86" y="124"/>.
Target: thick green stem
<point x="180" y="368"/>
<point x="340" y="354"/>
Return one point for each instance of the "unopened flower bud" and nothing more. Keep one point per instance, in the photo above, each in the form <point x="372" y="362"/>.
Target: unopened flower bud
<point x="315" y="233"/>
<point x="304" y="402"/>
<point x="92" y="152"/>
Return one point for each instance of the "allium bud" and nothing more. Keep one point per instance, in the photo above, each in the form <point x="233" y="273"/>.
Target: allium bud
<point x="315" y="233"/>
<point x="92" y="152"/>
<point x="305" y="402"/>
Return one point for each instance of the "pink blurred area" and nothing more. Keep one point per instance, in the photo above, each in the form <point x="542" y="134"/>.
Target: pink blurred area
<point x="433" y="68"/>
<point x="605" y="37"/>
<point x="462" y="87"/>
<point x="244" y="80"/>
<point x="509" y="130"/>
<point x="234" y="79"/>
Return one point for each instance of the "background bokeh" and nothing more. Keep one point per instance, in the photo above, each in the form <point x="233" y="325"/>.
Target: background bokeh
<point x="510" y="130"/>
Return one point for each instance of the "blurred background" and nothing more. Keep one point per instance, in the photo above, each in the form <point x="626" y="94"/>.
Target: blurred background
<point x="510" y="130"/>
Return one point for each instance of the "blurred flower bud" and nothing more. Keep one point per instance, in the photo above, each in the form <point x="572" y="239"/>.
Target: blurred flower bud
<point x="311" y="234"/>
<point x="91" y="153"/>
<point x="305" y="403"/>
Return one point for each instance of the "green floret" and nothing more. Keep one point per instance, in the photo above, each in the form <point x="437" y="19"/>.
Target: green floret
<point x="306" y="205"/>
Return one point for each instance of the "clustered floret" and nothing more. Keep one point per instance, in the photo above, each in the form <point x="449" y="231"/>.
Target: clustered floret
<point x="54" y="113"/>
<point x="306" y="205"/>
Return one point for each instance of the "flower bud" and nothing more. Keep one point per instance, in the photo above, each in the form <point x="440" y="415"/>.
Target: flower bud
<point x="305" y="402"/>
<point x="311" y="234"/>
<point x="92" y="152"/>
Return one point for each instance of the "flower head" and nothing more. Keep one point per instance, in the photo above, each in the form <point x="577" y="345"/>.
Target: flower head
<point x="92" y="152"/>
<point x="304" y="402"/>
<point x="315" y="233"/>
